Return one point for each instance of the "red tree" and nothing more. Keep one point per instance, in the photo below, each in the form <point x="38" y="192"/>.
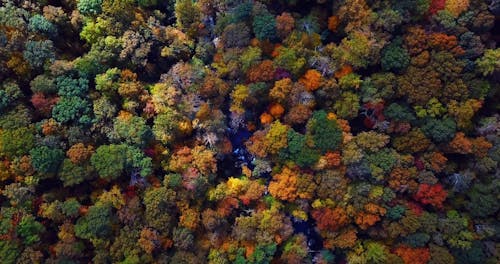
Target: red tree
<point x="431" y="194"/>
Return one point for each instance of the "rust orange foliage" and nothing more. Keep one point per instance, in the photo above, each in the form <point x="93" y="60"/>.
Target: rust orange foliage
<point x="333" y="23"/>
<point x="284" y="185"/>
<point x="413" y="255"/>
<point x="261" y="72"/>
<point x="311" y="80"/>
<point x="266" y="118"/>
<point x="276" y="110"/>
<point x="480" y="146"/>
<point x="345" y="70"/>
<point x="329" y="219"/>
<point x="460" y="144"/>
<point x="431" y="194"/>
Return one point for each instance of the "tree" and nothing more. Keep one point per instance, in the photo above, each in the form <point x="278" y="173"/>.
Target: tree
<point x="288" y="59"/>
<point x="90" y="7"/>
<point x="347" y="106"/>
<point x="431" y="194"/>
<point x="9" y="252"/>
<point x="9" y="93"/>
<point x="96" y="223"/>
<point x="276" y="138"/>
<point x="439" y="130"/>
<point x="482" y="201"/>
<point x="111" y="161"/>
<point x="284" y="24"/>
<point x="413" y="255"/>
<point x="16" y="142"/>
<point x="325" y="133"/>
<point x="284" y="185"/>
<point x="298" y="150"/>
<point x="311" y="80"/>
<point x="329" y="219"/>
<point x="159" y="204"/>
<point x="37" y="53"/>
<point x="68" y="86"/>
<point x="45" y="159"/>
<point x="187" y="15"/>
<point x="395" y="57"/>
<point x="264" y="25"/>
<point x="72" y="109"/>
<point x="29" y="229"/>
<point x="132" y="130"/>
<point x="40" y="24"/>
<point x="73" y="174"/>
<point x="236" y="35"/>
<point x="490" y="62"/>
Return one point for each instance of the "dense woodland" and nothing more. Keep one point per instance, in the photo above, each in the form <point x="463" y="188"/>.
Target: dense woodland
<point x="238" y="131"/>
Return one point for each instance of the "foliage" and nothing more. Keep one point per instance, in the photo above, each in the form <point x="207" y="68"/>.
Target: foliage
<point x="325" y="133"/>
<point x="45" y="159"/>
<point x="111" y="161"/>
<point x="249" y="131"/>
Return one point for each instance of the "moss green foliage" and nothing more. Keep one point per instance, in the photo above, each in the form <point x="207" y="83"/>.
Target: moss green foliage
<point x="298" y="151"/>
<point x="9" y="93"/>
<point x="399" y="112"/>
<point x="325" y="133"/>
<point x="29" y="230"/>
<point x="37" y="53"/>
<point x="16" y="142"/>
<point x="72" y="174"/>
<point x="489" y="62"/>
<point x="394" y="57"/>
<point x="133" y="131"/>
<point x="90" y="7"/>
<point x="45" y="159"/>
<point x="264" y="26"/>
<point x="440" y="130"/>
<point x="9" y="252"/>
<point x="41" y="25"/>
<point x="96" y="223"/>
<point x="72" y="109"/>
<point x="111" y="161"/>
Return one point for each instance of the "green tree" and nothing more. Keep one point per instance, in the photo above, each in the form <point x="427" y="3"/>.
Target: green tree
<point x="37" y="53"/>
<point x="347" y="106"/>
<point x="111" y="161"/>
<point x="160" y="204"/>
<point x="132" y="131"/>
<point x="187" y="14"/>
<point x="9" y="93"/>
<point x="96" y="223"/>
<point x="16" y="142"/>
<point x="45" y="159"/>
<point x="325" y="133"/>
<point x="72" y="174"/>
<point x="395" y="57"/>
<point x="490" y="61"/>
<point x="72" y="109"/>
<point x="29" y="229"/>
<point x="68" y="87"/>
<point x="40" y="24"/>
<point x="483" y="200"/>
<point x="89" y="7"/>
<point x="298" y="151"/>
<point x="400" y="113"/>
<point x="70" y="207"/>
<point x="8" y="252"/>
<point x="264" y="26"/>
<point x="440" y="130"/>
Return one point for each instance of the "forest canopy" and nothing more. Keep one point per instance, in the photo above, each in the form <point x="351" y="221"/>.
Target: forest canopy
<point x="218" y="131"/>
